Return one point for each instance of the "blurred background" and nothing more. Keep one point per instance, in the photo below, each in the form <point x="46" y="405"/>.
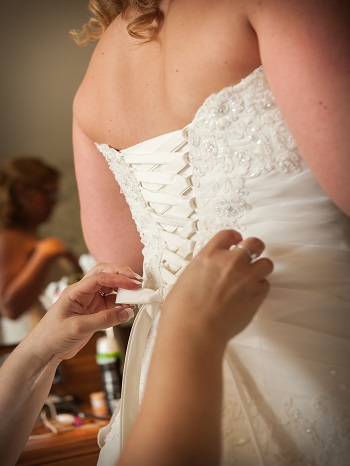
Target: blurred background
<point x="40" y="73"/>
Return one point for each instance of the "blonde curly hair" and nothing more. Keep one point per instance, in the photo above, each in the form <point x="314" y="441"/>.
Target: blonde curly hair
<point x="140" y="24"/>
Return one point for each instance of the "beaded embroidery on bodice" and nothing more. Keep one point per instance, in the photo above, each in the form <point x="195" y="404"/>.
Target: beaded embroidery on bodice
<point x="237" y="166"/>
<point x="237" y="135"/>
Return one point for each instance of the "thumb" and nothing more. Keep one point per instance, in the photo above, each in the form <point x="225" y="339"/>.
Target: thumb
<point x="106" y="318"/>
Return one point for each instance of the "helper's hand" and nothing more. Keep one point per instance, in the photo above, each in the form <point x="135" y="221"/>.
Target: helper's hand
<point x="82" y="309"/>
<point x="223" y="285"/>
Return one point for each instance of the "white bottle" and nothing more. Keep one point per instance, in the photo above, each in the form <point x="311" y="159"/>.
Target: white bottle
<point x="108" y="358"/>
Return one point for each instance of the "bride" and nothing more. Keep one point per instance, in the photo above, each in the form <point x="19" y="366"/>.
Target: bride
<point x="195" y="116"/>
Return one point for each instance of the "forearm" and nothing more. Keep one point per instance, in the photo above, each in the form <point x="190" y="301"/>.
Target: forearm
<point x="25" y="382"/>
<point x="179" y="422"/>
<point x="105" y="214"/>
<point x="24" y="290"/>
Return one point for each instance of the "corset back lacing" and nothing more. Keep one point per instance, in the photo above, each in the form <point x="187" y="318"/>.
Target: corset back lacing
<point x="162" y="186"/>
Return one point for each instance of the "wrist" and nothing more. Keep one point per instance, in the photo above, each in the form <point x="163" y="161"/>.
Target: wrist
<point x="178" y="321"/>
<point x="37" y="344"/>
<point x="193" y="335"/>
<point x="39" y="364"/>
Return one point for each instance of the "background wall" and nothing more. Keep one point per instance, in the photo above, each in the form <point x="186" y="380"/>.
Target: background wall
<point x="41" y="68"/>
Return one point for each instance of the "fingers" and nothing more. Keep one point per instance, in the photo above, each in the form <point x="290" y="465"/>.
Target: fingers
<point x="262" y="268"/>
<point x="122" y="270"/>
<point x="112" y="317"/>
<point x="104" y="282"/>
<point x="244" y="252"/>
<point x="92" y="323"/>
<point x="248" y="252"/>
<point x="223" y="240"/>
<point x="249" y="249"/>
<point x="124" y="277"/>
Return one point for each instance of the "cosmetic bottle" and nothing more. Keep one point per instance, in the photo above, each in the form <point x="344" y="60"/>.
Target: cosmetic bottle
<point x="99" y="404"/>
<point x="108" y="358"/>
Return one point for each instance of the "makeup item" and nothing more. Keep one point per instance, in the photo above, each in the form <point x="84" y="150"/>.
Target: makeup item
<point x="99" y="404"/>
<point x="108" y="358"/>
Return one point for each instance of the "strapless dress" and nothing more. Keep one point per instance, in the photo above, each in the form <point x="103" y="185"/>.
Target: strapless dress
<point x="287" y="375"/>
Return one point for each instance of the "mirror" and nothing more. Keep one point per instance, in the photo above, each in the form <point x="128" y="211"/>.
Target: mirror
<point x="42" y="68"/>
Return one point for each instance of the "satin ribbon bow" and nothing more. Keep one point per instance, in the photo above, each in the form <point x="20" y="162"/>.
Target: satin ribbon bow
<point x="151" y="301"/>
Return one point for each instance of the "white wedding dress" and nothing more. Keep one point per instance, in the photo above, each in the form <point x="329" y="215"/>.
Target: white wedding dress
<point x="287" y="376"/>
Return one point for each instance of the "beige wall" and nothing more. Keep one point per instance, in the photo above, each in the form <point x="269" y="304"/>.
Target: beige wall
<point x="41" y="68"/>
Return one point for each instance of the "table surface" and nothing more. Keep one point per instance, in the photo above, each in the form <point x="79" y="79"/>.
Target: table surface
<point x="70" y="446"/>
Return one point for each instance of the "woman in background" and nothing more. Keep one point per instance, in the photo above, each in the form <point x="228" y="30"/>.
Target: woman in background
<point x="229" y="114"/>
<point x="28" y="262"/>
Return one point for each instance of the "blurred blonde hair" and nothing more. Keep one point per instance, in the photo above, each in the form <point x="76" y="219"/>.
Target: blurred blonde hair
<point x="139" y="15"/>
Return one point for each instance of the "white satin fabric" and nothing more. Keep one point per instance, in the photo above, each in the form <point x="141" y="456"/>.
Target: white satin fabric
<point x="287" y="376"/>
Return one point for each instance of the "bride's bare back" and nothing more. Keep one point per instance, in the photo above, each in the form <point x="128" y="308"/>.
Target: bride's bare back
<point x="133" y="92"/>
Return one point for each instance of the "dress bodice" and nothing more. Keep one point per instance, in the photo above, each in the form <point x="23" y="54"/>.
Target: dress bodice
<point x="236" y="165"/>
<point x="155" y="178"/>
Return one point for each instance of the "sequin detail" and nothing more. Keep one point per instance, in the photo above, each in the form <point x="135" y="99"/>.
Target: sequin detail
<point x="238" y="134"/>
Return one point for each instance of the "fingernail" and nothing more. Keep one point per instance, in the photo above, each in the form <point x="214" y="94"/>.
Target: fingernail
<point x="136" y="281"/>
<point x="138" y="276"/>
<point x="126" y="314"/>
